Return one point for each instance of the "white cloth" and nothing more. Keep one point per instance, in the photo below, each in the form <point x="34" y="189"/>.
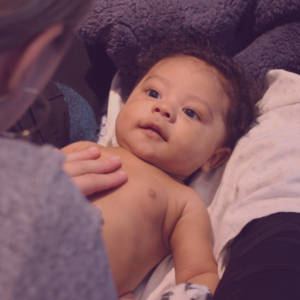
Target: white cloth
<point x="261" y="177"/>
<point x="155" y="284"/>
<point x="187" y="291"/>
<point x="107" y="136"/>
<point x="263" y="174"/>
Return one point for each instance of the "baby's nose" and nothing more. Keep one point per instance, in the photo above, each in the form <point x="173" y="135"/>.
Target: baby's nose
<point x="164" y="110"/>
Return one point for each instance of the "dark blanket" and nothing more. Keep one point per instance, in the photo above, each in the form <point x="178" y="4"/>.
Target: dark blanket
<point x="259" y="34"/>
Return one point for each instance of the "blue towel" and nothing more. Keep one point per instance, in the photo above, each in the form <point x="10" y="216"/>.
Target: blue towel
<point x="83" y="123"/>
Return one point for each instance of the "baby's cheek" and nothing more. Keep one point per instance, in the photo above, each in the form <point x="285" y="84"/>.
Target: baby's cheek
<point x="120" y="130"/>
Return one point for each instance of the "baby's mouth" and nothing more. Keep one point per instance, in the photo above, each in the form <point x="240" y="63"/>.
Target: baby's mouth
<point x="156" y="130"/>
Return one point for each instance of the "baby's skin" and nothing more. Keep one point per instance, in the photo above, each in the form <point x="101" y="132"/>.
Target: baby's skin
<point x="148" y="217"/>
<point x="171" y="125"/>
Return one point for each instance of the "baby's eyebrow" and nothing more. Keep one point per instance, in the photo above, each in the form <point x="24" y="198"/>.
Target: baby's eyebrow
<point x="164" y="79"/>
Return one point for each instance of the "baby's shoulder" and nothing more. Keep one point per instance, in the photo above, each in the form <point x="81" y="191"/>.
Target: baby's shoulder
<point x="183" y="199"/>
<point x="186" y="193"/>
<point x="184" y="206"/>
<point x="190" y="203"/>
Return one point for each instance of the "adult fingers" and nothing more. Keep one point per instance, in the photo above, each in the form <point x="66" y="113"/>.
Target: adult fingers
<point x="91" y="183"/>
<point x="102" y="166"/>
<point x="85" y="154"/>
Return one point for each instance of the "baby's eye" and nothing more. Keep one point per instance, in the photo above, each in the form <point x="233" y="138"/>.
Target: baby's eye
<point x="192" y="114"/>
<point x="153" y="94"/>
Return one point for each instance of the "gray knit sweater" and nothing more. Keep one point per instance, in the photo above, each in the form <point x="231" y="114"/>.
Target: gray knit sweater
<point x="50" y="244"/>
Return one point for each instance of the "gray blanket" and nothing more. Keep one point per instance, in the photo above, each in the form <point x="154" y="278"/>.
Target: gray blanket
<point x="259" y="34"/>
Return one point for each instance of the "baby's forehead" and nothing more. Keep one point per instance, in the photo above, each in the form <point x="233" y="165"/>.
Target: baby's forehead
<point x="194" y="63"/>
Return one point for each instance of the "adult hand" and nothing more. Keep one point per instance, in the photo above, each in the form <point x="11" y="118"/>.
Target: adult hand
<point x="92" y="175"/>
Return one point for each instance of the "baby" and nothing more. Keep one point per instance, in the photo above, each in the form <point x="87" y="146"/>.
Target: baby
<point x="186" y="112"/>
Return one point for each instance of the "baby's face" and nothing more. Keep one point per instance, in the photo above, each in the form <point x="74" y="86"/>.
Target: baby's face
<point x="174" y="118"/>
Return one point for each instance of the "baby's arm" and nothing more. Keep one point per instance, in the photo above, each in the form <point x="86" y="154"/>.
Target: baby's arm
<point x="191" y="245"/>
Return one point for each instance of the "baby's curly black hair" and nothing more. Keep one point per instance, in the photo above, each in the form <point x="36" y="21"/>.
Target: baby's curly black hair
<point x="241" y="93"/>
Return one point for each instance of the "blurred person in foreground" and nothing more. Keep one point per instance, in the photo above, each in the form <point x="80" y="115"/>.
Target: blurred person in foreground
<point x="51" y="247"/>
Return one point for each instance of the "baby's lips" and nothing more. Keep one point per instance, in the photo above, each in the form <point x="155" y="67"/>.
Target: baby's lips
<point x="155" y="128"/>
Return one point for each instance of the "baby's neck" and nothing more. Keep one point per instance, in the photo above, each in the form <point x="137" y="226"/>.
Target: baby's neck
<point x="179" y="178"/>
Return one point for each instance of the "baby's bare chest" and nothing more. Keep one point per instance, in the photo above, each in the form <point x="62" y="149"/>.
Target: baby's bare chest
<point x="146" y="205"/>
<point x="139" y="217"/>
<point x="140" y="205"/>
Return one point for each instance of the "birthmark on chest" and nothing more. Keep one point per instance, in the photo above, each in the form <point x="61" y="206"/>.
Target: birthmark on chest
<point x="152" y="194"/>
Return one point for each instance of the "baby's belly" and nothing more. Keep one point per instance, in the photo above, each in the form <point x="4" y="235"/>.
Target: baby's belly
<point x="133" y="228"/>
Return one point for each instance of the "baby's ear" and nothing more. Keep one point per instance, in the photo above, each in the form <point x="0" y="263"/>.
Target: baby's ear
<point x="217" y="159"/>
